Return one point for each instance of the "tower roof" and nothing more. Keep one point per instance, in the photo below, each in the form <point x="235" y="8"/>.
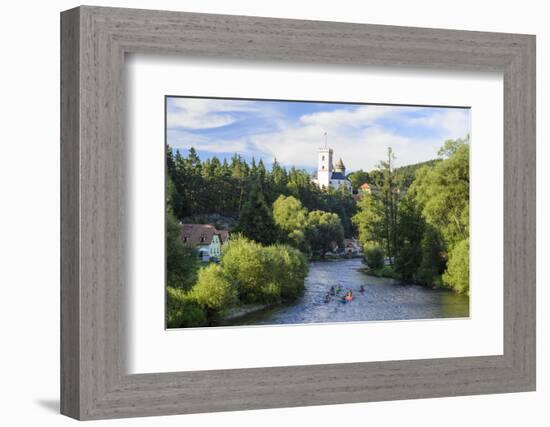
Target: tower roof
<point x="340" y="165"/>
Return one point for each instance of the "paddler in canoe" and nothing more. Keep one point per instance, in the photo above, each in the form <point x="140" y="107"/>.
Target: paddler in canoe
<point x="349" y="295"/>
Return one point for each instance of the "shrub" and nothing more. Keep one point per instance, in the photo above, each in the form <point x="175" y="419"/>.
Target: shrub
<point x="374" y="256"/>
<point x="181" y="312"/>
<point x="288" y="267"/>
<point x="213" y="291"/>
<point x="387" y="271"/>
<point x="264" y="274"/>
<point x="244" y="263"/>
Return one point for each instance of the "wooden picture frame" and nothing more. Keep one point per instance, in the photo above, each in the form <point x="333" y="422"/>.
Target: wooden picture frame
<point x="94" y="41"/>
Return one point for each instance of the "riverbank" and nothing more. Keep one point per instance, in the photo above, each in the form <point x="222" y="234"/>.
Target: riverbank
<point x="233" y="313"/>
<point x="388" y="272"/>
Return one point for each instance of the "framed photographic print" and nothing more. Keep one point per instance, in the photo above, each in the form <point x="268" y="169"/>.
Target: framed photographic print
<point x="262" y="213"/>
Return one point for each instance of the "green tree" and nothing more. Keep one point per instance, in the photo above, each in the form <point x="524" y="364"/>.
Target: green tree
<point x="291" y="218"/>
<point x="244" y="262"/>
<point x="288" y="268"/>
<point x="358" y="178"/>
<point x="443" y="192"/>
<point x="213" y="290"/>
<point x="256" y="219"/>
<point x="457" y="275"/>
<point x="181" y="312"/>
<point x="368" y="220"/>
<point x="264" y="274"/>
<point x="410" y="230"/>
<point x="278" y="181"/>
<point x="181" y="261"/>
<point x="387" y="192"/>
<point x="374" y="256"/>
<point x="323" y="230"/>
<point x="340" y="201"/>
<point x="433" y="260"/>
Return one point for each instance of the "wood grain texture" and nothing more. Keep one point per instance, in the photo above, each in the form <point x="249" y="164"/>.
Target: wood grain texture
<point x="94" y="272"/>
<point x="70" y="292"/>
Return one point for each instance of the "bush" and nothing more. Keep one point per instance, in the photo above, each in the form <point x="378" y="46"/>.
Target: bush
<point x="181" y="312"/>
<point x="264" y="274"/>
<point x="374" y="256"/>
<point x="244" y="263"/>
<point x="457" y="275"/>
<point x="213" y="291"/>
<point x="288" y="268"/>
<point x="387" y="271"/>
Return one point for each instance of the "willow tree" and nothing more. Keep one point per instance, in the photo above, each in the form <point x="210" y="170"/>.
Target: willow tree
<point x="443" y="194"/>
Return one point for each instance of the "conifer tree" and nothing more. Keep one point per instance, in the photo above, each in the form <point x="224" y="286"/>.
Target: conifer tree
<point x="256" y="219"/>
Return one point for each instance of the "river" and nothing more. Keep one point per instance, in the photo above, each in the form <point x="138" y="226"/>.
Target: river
<point x="383" y="299"/>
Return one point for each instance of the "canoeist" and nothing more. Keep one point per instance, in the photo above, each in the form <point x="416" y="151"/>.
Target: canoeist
<point x="362" y="289"/>
<point x="349" y="295"/>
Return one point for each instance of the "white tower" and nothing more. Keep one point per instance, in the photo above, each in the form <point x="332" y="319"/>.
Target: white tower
<point x="324" y="168"/>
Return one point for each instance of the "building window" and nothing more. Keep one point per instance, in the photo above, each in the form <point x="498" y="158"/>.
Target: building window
<point x="323" y="158"/>
<point x="323" y="167"/>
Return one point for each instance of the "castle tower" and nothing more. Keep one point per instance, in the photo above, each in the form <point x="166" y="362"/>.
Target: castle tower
<point x="325" y="167"/>
<point x="340" y="167"/>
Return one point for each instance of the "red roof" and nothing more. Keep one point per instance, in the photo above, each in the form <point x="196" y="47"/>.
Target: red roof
<point x="201" y="234"/>
<point x="365" y="186"/>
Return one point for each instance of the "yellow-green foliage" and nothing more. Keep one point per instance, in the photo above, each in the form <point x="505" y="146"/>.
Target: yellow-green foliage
<point x="374" y="256"/>
<point x="264" y="274"/>
<point x="457" y="275"/>
<point x="213" y="290"/>
<point x="442" y="192"/>
<point x="288" y="268"/>
<point x="291" y="218"/>
<point x="182" y="312"/>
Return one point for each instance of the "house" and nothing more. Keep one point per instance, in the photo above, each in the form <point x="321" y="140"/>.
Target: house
<point x="329" y="175"/>
<point x="352" y="247"/>
<point x="365" y="189"/>
<point x="205" y="238"/>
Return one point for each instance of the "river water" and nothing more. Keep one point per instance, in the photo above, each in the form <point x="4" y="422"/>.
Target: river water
<point x="383" y="299"/>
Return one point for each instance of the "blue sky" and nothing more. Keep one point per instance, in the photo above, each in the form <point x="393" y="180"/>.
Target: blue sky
<point x="293" y="131"/>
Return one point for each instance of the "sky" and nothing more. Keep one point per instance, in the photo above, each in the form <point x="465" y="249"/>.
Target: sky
<point x="293" y="131"/>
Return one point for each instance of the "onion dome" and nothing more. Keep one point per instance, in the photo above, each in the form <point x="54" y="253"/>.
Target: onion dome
<point x="340" y="166"/>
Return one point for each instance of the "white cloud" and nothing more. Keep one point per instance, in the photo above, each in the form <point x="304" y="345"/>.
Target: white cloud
<point x="357" y="117"/>
<point x="453" y="122"/>
<point x="184" y="140"/>
<point x="201" y="113"/>
<point x="359" y="149"/>
<point x="357" y="135"/>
